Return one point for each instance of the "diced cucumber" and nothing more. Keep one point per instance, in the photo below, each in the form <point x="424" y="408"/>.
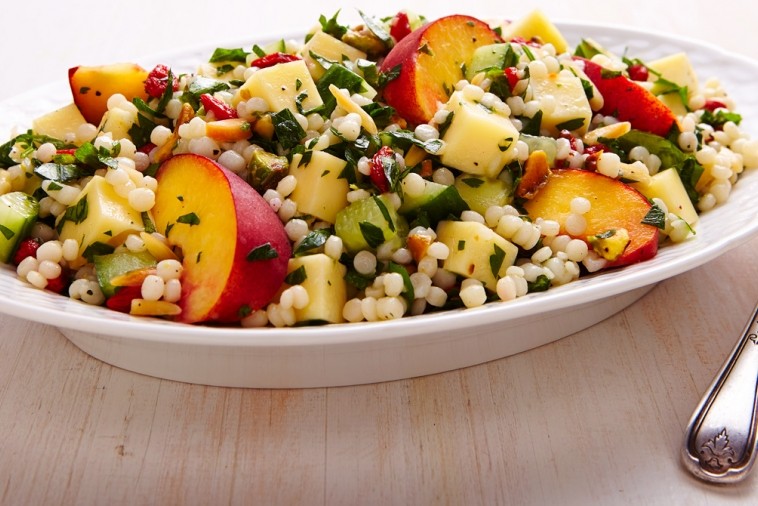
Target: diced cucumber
<point x="480" y="193"/>
<point x="538" y="142"/>
<point x="437" y="202"/>
<point x="491" y="56"/>
<point x="18" y="213"/>
<point x="367" y="223"/>
<point x="109" y="266"/>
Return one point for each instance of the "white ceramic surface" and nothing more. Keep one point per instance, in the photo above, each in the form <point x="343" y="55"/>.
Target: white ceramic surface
<point x="371" y="352"/>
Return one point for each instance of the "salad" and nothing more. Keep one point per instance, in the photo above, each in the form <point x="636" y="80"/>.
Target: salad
<point x="372" y="172"/>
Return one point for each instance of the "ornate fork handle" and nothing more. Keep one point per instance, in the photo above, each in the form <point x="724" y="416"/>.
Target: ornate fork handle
<point x="720" y="440"/>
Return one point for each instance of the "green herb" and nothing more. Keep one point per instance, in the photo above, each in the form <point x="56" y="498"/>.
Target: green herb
<point x="381" y="114"/>
<point x="288" y="130"/>
<point x="95" y="249"/>
<point x="244" y="310"/>
<point x="331" y="26"/>
<point x="189" y="219"/>
<point x="586" y="49"/>
<point x="222" y="55"/>
<point x="199" y="86"/>
<point x="372" y="234"/>
<point x="473" y="182"/>
<point x="589" y="89"/>
<point x="342" y="78"/>
<point x="378" y="29"/>
<point x="169" y="226"/>
<point x="531" y="126"/>
<point x="198" y="257"/>
<point x="258" y="50"/>
<point x="7" y="233"/>
<point x="541" y="284"/>
<point x="609" y="74"/>
<point x="263" y="252"/>
<point x="404" y="138"/>
<point x="718" y="118"/>
<point x="655" y="217"/>
<point x="461" y="245"/>
<point x="27" y="142"/>
<point x="571" y="124"/>
<point x="385" y="213"/>
<point x="496" y="260"/>
<point x="297" y="276"/>
<point x="313" y="240"/>
<point x="528" y="52"/>
<point x="78" y="212"/>
<point x="62" y="173"/>
<point x="425" y="49"/>
<point x="147" y="222"/>
<point x="224" y="69"/>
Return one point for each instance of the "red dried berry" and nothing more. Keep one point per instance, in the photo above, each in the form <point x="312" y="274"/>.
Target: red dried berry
<point x="157" y="80"/>
<point x="122" y="300"/>
<point x="27" y="248"/>
<point x="593" y="152"/>
<point x="511" y="73"/>
<point x="220" y="109"/>
<point x="377" y="174"/>
<point x="712" y="104"/>
<point x="57" y="285"/>
<point x="273" y="59"/>
<point x="638" y="72"/>
<point x="400" y="26"/>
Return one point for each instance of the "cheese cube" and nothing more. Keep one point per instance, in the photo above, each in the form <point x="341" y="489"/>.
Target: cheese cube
<point x="567" y="107"/>
<point x="60" y="123"/>
<point x="326" y="287"/>
<point x="479" y="140"/>
<point x="536" y="24"/>
<point x="118" y="121"/>
<point x="320" y="190"/>
<point x="475" y="251"/>
<point x="667" y="186"/>
<point x="282" y="86"/>
<point x="328" y="47"/>
<point x="99" y="215"/>
<point x="677" y="69"/>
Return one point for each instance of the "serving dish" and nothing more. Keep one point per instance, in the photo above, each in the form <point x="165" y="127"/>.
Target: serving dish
<point x="371" y="352"/>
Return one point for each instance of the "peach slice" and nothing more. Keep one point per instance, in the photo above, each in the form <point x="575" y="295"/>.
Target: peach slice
<point x="432" y="59"/>
<point x="628" y="101"/>
<point x="234" y="247"/>
<point x="615" y="205"/>
<point x="92" y="86"/>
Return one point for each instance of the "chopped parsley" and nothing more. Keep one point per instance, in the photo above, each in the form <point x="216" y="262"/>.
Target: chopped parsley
<point x="189" y="219"/>
<point x="263" y="252"/>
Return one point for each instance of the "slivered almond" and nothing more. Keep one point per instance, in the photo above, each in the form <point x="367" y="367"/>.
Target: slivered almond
<point x="536" y="173"/>
<point x="367" y="122"/>
<point x="133" y="278"/>
<point x="164" y="152"/>
<point x="610" y="131"/>
<point x="159" y="249"/>
<point x="142" y="307"/>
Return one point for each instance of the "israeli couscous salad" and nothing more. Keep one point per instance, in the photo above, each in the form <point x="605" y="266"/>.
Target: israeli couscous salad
<point x="393" y="168"/>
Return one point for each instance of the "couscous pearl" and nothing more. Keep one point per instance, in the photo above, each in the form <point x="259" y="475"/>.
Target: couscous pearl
<point x="232" y="161"/>
<point x="473" y="295"/>
<point x="287" y="185"/>
<point x="542" y="254"/>
<point x="443" y="176"/>
<point x="172" y="290"/>
<point x="425" y="132"/>
<point x="26" y="266"/>
<point x="444" y="279"/>
<point x="51" y="251"/>
<point x="389" y="308"/>
<point x="91" y="294"/>
<point x="402" y="256"/>
<point x="368" y="308"/>
<point x="428" y="265"/>
<point x="352" y="311"/>
<point x="85" y="133"/>
<point x="576" y="224"/>
<point x="437" y="297"/>
<point x="576" y="250"/>
<point x="393" y="284"/>
<point x="70" y="249"/>
<point x="506" y="288"/>
<point x="365" y="262"/>
<point x="492" y="215"/>
<point x="508" y="225"/>
<point x="287" y="210"/>
<point x="49" y="269"/>
<point x="76" y="287"/>
<point x="594" y="262"/>
<point x="296" y="229"/>
<point x="45" y="152"/>
<point x="438" y="250"/>
<point x="469" y="215"/>
<point x="413" y="185"/>
<point x="134" y="243"/>
<point x="421" y="284"/>
<point x="36" y="279"/>
<point x="142" y="199"/>
<point x="169" y="269"/>
<point x="333" y="247"/>
<point x="580" y="205"/>
<point x="256" y="319"/>
<point x="43" y="231"/>
<point x="117" y="177"/>
<point x="152" y="287"/>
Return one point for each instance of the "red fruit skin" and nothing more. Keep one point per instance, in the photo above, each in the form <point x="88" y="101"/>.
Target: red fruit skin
<point x="27" y="248"/>
<point x="628" y="101"/>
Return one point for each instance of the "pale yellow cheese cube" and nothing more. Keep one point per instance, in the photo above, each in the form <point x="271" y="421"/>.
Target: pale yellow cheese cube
<point x="320" y="190"/>
<point x="60" y="123"/>
<point x="536" y="24"/>
<point x="99" y="215"/>
<point x="328" y="47"/>
<point x="326" y="287"/>
<point x="479" y="140"/>
<point x="282" y="86"/>
<point x="677" y="69"/>
<point x="667" y="186"/>
<point x="474" y="250"/>
<point x="117" y="122"/>
<point x="564" y="104"/>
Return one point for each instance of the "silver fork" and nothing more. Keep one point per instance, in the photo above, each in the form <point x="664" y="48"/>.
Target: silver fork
<point x="720" y="440"/>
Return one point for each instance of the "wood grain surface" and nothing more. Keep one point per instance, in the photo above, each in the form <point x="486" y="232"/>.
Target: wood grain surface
<point x="594" y="418"/>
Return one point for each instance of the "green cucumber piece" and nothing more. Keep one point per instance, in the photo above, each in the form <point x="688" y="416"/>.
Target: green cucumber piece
<point x="541" y="143"/>
<point x="481" y="193"/>
<point x="18" y="213"/>
<point x="369" y="222"/>
<point x="109" y="266"/>
<point x="437" y="202"/>
<point x="492" y="56"/>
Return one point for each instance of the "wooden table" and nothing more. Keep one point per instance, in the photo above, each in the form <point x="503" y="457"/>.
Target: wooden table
<point x="594" y="418"/>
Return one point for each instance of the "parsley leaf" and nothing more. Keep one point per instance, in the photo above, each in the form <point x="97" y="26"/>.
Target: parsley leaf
<point x="263" y="252"/>
<point x="235" y="54"/>
<point x="288" y="130"/>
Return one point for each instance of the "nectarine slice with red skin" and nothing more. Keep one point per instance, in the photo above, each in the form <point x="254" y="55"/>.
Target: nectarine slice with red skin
<point x="91" y="87"/>
<point x="432" y="59"/>
<point x="615" y="205"/>
<point x="626" y="100"/>
<point x="234" y="247"/>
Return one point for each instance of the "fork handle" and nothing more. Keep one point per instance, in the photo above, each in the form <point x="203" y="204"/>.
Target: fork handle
<point x="720" y="440"/>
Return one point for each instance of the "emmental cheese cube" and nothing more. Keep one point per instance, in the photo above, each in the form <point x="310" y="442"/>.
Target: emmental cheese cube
<point x="476" y="251"/>
<point x="677" y="69"/>
<point x="60" y="123"/>
<point x="536" y="24"/>
<point x="479" y="140"/>
<point x="320" y="190"/>
<point x="568" y="108"/>
<point x="282" y="86"/>
<point x="325" y="283"/>
<point x="667" y="186"/>
<point x="330" y="48"/>
<point x="99" y="215"/>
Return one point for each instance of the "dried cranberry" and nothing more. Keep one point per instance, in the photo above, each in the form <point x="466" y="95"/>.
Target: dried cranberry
<point x="273" y="59"/>
<point x="712" y="104"/>
<point x="638" y="72"/>
<point x="566" y="134"/>
<point x="122" y="300"/>
<point x="57" y="285"/>
<point x="220" y="109"/>
<point x="27" y="248"/>
<point x="157" y="80"/>
<point x="400" y="26"/>
<point x="511" y="73"/>
<point x="593" y="152"/>
<point x="377" y="175"/>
